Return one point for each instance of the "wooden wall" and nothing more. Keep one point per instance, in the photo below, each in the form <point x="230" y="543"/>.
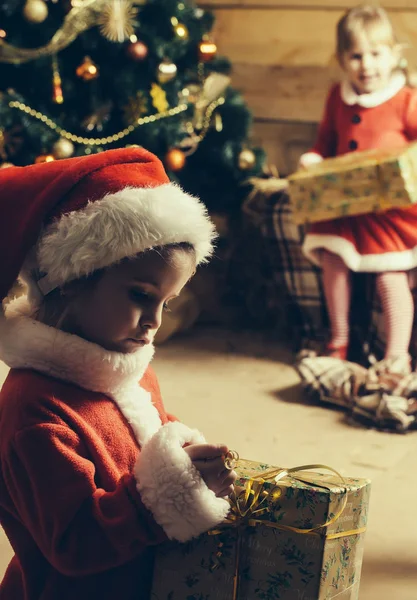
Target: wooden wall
<point x="282" y="56"/>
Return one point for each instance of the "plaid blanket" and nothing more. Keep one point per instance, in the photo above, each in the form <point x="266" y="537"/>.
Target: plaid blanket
<point x="385" y="398"/>
<point x="299" y="281"/>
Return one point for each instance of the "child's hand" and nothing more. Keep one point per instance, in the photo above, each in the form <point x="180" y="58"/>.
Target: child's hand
<point x="309" y="159"/>
<point x="209" y="460"/>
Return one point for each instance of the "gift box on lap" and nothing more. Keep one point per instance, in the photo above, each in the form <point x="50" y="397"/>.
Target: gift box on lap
<point x="355" y="183"/>
<point x="290" y="535"/>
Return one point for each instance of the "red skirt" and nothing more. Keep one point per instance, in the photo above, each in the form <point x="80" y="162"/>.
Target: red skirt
<point x="370" y="243"/>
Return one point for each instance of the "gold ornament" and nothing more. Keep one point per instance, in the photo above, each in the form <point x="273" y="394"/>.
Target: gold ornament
<point x="35" y="11"/>
<point x="3" y="34"/>
<point x="180" y="30"/>
<point x="116" y="21"/>
<point x="246" y="160"/>
<point x="135" y="107"/>
<point x="137" y="51"/>
<point x="44" y="158"/>
<point x="175" y="159"/>
<point x="167" y="70"/>
<point x="207" y="49"/>
<point x="87" y="70"/>
<point x="159" y="98"/>
<point x="63" y="148"/>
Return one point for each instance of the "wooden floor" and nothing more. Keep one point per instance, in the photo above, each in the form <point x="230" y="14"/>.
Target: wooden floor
<point x="256" y="407"/>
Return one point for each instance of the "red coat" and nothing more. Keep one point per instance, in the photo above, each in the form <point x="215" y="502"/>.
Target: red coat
<point x="378" y="241"/>
<point x="89" y="479"/>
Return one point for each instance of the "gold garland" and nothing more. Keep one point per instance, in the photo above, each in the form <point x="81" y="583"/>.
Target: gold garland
<point x="96" y="141"/>
<point x="78" y="20"/>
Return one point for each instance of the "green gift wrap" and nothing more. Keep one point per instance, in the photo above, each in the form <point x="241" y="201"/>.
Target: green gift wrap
<point x="356" y="183"/>
<point x="291" y="535"/>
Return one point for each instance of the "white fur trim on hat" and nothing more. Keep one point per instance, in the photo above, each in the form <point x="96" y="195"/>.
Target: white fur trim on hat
<point x="172" y="488"/>
<point x="121" y="225"/>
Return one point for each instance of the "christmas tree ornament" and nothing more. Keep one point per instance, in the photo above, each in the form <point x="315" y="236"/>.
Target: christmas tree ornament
<point x="159" y="98"/>
<point x="167" y="70"/>
<point x="43" y="158"/>
<point x="207" y="49"/>
<point x="175" y="159"/>
<point x="180" y="29"/>
<point x="199" y="13"/>
<point x="35" y="11"/>
<point x="137" y="51"/>
<point x="57" y="95"/>
<point x="63" y="148"/>
<point x="135" y="107"/>
<point x="117" y="19"/>
<point x="246" y="159"/>
<point x="87" y="70"/>
<point x="3" y="34"/>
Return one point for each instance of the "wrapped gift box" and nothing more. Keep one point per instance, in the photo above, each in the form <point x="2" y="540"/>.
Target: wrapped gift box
<point x="298" y="538"/>
<point x="356" y="183"/>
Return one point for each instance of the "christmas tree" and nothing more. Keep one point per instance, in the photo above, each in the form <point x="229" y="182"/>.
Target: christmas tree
<point x="83" y="76"/>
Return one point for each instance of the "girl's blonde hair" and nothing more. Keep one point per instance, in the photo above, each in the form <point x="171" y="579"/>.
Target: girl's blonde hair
<point x="374" y="22"/>
<point x="368" y="19"/>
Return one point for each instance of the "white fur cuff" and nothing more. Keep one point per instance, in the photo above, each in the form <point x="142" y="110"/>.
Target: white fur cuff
<point x="172" y="488"/>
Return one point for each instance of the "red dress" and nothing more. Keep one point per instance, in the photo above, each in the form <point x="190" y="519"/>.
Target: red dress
<point x="372" y="242"/>
<point x="93" y="474"/>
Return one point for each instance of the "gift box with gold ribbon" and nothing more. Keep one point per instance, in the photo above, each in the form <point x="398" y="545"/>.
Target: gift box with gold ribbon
<point x="292" y="534"/>
<point x="355" y="183"/>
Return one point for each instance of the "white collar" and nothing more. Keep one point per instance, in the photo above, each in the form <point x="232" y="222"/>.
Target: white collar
<point x="350" y="97"/>
<point x="29" y="344"/>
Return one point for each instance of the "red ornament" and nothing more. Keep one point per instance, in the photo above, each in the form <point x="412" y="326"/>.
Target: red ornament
<point x="137" y="51"/>
<point x="175" y="159"/>
<point x="207" y="50"/>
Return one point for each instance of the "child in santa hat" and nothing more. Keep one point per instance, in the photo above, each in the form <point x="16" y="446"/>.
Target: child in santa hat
<point x="93" y="471"/>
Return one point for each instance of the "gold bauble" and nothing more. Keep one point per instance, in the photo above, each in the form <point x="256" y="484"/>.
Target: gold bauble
<point x="167" y="70"/>
<point x="44" y="158"/>
<point x="35" y="11"/>
<point x="175" y="159"/>
<point x="87" y="70"/>
<point x="181" y="31"/>
<point x="63" y="148"/>
<point x="247" y="159"/>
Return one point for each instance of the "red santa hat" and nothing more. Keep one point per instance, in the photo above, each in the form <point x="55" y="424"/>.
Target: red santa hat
<point x="65" y="219"/>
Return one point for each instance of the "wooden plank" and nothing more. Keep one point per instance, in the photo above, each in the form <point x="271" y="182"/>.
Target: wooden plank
<point x="284" y="142"/>
<point x="290" y="37"/>
<point x="297" y="4"/>
<point x="293" y="93"/>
